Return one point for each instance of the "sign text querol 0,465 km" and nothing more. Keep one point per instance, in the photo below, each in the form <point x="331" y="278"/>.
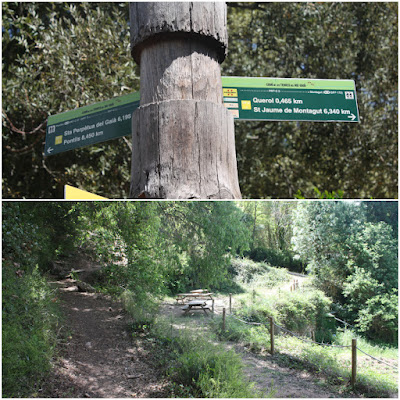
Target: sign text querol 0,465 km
<point x="287" y="99"/>
<point x="262" y="99"/>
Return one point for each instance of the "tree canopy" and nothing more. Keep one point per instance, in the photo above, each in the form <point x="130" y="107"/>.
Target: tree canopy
<point x="353" y="256"/>
<point x="59" y="56"/>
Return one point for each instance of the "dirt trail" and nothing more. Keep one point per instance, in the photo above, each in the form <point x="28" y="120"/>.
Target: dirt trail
<point x="261" y="369"/>
<point x="99" y="359"/>
<point x="285" y="382"/>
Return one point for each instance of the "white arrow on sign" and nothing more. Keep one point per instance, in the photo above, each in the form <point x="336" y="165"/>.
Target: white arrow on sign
<point x="352" y="116"/>
<point x="50" y="149"/>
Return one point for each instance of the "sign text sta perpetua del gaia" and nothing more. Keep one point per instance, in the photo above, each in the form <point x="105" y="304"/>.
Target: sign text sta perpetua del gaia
<point x="91" y="124"/>
<point x="287" y="99"/>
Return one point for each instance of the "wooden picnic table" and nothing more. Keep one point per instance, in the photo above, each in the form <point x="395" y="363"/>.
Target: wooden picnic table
<point x="195" y="305"/>
<point x="197" y="295"/>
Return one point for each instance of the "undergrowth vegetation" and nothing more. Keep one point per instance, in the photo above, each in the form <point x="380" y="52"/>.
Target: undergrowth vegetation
<point x="30" y="316"/>
<point x="248" y="272"/>
<point x="333" y="363"/>
<point x="197" y="367"/>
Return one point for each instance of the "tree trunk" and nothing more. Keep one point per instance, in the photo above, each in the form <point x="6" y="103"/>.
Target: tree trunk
<point x="183" y="137"/>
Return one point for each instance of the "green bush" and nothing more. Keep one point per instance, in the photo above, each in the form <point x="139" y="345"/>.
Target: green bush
<point x="380" y="317"/>
<point x="303" y="312"/>
<point x="140" y="306"/>
<point x="300" y="312"/>
<point x="249" y="272"/>
<point x="276" y="258"/>
<point x="211" y="371"/>
<point x="200" y="368"/>
<point x="30" y="317"/>
<point x="29" y="306"/>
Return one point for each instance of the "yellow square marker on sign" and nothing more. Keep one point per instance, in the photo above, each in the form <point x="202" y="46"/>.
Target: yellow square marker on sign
<point x="230" y="92"/>
<point x="58" y="139"/>
<point x="246" y="104"/>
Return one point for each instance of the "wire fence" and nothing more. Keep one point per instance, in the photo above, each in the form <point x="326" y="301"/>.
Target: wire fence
<point x="309" y="341"/>
<point x="314" y="342"/>
<point x="377" y="359"/>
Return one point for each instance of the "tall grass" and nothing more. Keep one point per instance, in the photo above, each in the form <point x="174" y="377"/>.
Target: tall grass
<point x="30" y="318"/>
<point x="200" y="367"/>
<point x="334" y="363"/>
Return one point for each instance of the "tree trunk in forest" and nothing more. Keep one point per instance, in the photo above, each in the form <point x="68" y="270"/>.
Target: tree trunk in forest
<point x="183" y="136"/>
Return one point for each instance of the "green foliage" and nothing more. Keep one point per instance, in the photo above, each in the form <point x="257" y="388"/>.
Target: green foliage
<point x="327" y="41"/>
<point x="36" y="233"/>
<point x="335" y="364"/>
<point x="152" y="248"/>
<point x="29" y="306"/>
<point x="206" y="235"/>
<point x="380" y="318"/>
<point x="250" y="272"/>
<point x="332" y="363"/>
<point x="324" y="195"/>
<point x="59" y="56"/>
<point x="256" y="338"/>
<point x="202" y="369"/>
<point x="300" y="312"/>
<point x="276" y="258"/>
<point x="352" y="260"/>
<point x="142" y="309"/>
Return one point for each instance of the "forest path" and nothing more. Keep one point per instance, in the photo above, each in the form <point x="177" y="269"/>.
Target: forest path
<point x="263" y="369"/>
<point x="99" y="358"/>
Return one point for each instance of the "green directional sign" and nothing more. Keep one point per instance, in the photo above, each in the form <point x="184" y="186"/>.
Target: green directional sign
<point x="91" y="124"/>
<point x="268" y="99"/>
<point x="286" y="99"/>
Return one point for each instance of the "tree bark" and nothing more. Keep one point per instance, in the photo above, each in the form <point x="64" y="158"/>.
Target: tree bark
<point x="183" y="136"/>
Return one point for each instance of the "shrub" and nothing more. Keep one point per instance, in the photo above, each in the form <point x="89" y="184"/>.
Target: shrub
<point x="260" y="273"/>
<point x="276" y="258"/>
<point x="380" y="317"/>
<point x="201" y="368"/>
<point x="211" y="371"/>
<point x="30" y="318"/>
<point x="142" y="308"/>
<point x="300" y="312"/>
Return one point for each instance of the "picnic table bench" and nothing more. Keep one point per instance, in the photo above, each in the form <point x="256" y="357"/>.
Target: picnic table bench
<point x="193" y="295"/>
<point x="195" y="305"/>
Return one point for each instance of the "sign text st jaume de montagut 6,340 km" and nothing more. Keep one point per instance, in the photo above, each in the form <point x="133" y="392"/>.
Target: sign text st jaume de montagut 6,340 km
<point x="287" y="99"/>
<point x="91" y="124"/>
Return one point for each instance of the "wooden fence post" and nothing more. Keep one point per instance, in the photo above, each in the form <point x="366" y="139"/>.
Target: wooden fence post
<point x="271" y="328"/>
<point x="230" y="303"/>
<point x="183" y="138"/>
<point x="353" y="362"/>
<point x="223" y="319"/>
<point x="212" y="306"/>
